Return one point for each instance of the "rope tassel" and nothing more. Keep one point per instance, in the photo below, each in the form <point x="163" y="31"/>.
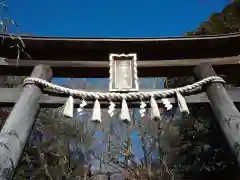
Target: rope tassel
<point x="125" y="115"/>
<point x="96" y="116"/>
<point x="183" y="108"/>
<point x="68" y="107"/>
<point x="155" y="113"/>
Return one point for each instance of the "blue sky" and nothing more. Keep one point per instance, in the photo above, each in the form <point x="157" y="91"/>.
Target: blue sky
<point x="125" y="18"/>
<point x="105" y="18"/>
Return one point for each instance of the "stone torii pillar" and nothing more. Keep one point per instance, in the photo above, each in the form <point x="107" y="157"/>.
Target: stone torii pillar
<point x="15" y="132"/>
<point x="223" y="108"/>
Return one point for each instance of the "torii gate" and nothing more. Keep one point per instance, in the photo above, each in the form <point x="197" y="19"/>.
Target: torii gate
<point x="89" y="58"/>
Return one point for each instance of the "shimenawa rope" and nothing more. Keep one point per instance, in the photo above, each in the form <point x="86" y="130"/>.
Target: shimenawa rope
<point x="124" y="115"/>
<point x="120" y="96"/>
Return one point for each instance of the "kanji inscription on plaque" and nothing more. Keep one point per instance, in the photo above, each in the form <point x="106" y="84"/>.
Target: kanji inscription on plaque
<point x="123" y="72"/>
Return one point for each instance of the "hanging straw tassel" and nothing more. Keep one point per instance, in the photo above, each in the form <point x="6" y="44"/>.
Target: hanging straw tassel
<point x="96" y="116"/>
<point x="183" y="108"/>
<point x="125" y="115"/>
<point x="68" y="107"/>
<point x="155" y="113"/>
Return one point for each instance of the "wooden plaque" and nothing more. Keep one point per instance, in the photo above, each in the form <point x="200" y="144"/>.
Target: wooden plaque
<point x="123" y="72"/>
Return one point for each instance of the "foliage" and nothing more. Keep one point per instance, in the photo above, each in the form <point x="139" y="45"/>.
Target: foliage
<point x="220" y="23"/>
<point x="49" y="152"/>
